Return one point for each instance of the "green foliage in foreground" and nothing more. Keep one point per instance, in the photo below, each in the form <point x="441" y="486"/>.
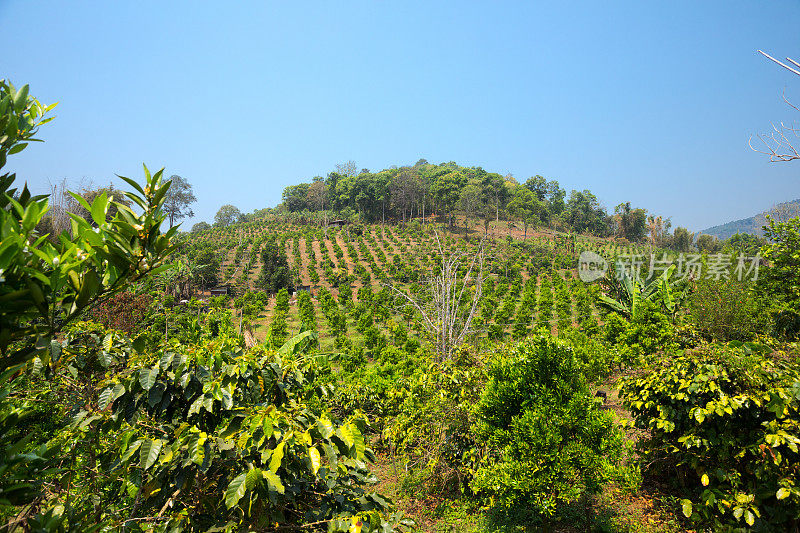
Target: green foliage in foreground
<point x="727" y="421"/>
<point x="548" y="442"/>
<point x="211" y="435"/>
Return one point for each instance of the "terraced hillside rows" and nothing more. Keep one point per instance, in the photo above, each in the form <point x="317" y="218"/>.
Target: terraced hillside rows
<point x="354" y="276"/>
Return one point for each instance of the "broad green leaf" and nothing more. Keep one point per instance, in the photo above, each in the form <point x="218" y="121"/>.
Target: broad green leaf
<point x="254" y="477"/>
<point x="197" y="452"/>
<point x="108" y="342"/>
<point x="131" y="450"/>
<point x="99" y="209"/>
<point x="346" y="435"/>
<point x="105" y="398"/>
<point x="236" y="490"/>
<point x="119" y="390"/>
<point x="358" y="441"/>
<point x="155" y="395"/>
<point x="166" y="360"/>
<point x="782" y="493"/>
<point x="292" y="345"/>
<point x="21" y="98"/>
<point x="105" y="359"/>
<point x="148" y="453"/>
<point x="148" y="376"/>
<point x="18" y="148"/>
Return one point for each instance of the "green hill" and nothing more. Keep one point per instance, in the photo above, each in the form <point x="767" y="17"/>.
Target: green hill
<point x="753" y="225"/>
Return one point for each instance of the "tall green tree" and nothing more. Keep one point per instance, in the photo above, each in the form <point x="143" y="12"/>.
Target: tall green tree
<point x="227" y="215"/>
<point x="275" y="273"/>
<point x="295" y="197"/>
<point x="585" y="214"/>
<point x="179" y="197"/>
<point x="631" y="222"/>
<point x="200" y="226"/>
<point x="525" y="207"/>
<point x="682" y="239"/>
<point x="782" y="280"/>
<point x="495" y="193"/>
<point x="470" y="202"/>
<point x="446" y="189"/>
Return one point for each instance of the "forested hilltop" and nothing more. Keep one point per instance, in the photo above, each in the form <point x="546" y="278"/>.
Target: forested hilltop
<point x="477" y="198"/>
<point x="445" y="189"/>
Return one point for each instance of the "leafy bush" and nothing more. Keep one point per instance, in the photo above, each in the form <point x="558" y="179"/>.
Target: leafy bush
<point x="727" y="310"/>
<point x="594" y="359"/>
<point x="648" y="332"/>
<point x="727" y="421"/>
<point x="433" y="424"/>
<point x="275" y="273"/>
<point x="193" y="437"/>
<point x="547" y="441"/>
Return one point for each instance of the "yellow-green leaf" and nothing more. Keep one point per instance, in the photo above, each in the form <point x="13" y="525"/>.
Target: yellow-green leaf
<point x="254" y="477"/>
<point x="686" y="507"/>
<point x="313" y="454"/>
<point x="274" y="482"/>
<point x="276" y="458"/>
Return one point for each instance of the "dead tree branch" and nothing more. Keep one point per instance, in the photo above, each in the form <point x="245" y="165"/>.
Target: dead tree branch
<point x="449" y="303"/>
<point x="779" y="144"/>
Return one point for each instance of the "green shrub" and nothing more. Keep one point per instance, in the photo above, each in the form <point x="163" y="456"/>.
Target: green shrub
<point x="727" y="310"/>
<point x="727" y="422"/>
<point x="547" y="441"/>
<point x="649" y="331"/>
<point x="433" y="426"/>
<point x="593" y="358"/>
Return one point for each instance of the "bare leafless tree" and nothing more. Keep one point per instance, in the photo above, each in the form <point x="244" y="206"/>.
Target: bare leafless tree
<point x="316" y="196"/>
<point x="781" y="144"/>
<point x="60" y="203"/>
<point x="347" y="169"/>
<point x="405" y="188"/>
<point x="449" y="299"/>
<point x="784" y="65"/>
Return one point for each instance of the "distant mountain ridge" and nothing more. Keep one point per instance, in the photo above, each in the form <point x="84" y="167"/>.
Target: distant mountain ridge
<point x="753" y="225"/>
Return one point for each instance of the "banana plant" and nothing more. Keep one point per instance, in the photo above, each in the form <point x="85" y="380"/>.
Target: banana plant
<point x="630" y="293"/>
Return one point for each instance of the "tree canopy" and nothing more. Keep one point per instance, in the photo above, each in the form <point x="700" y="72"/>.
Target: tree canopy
<point x="227" y="215"/>
<point x="179" y="197"/>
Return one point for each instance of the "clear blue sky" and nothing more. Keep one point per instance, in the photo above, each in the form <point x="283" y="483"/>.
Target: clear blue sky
<point x="651" y="102"/>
